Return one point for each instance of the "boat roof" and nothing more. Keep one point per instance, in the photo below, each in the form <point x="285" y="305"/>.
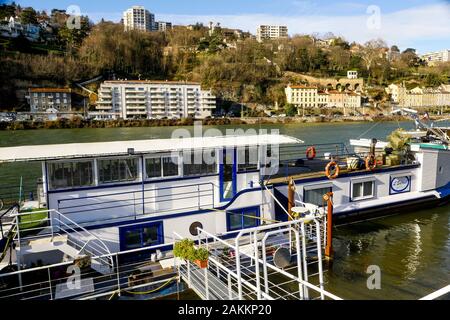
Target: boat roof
<point x="118" y="148"/>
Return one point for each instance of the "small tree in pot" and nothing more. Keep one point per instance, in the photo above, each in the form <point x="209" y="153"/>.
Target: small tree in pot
<point x="185" y="250"/>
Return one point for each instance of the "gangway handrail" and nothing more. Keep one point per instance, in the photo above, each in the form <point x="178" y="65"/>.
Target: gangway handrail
<point x="288" y="223"/>
<point x="437" y="294"/>
<point x="14" y="206"/>
<point x="51" y="218"/>
<point x="228" y="271"/>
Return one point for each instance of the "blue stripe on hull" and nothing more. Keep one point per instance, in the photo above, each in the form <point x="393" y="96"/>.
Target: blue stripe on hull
<point x="444" y="191"/>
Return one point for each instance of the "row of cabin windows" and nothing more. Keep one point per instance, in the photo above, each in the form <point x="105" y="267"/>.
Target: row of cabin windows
<point x="360" y="191"/>
<point x="81" y="173"/>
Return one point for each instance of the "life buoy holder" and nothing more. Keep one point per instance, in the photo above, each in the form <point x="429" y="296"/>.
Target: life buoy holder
<point x="328" y="169"/>
<point x="311" y="153"/>
<point x="371" y="163"/>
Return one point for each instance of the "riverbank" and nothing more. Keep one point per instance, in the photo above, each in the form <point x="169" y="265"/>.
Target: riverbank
<point x="79" y="123"/>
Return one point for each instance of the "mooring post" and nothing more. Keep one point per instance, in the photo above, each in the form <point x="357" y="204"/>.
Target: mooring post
<point x="291" y="204"/>
<point x="329" y="243"/>
<point x="291" y="197"/>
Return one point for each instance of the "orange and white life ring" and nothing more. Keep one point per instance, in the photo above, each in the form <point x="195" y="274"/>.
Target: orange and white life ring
<point x="311" y="153"/>
<point x="371" y="163"/>
<point x="328" y="169"/>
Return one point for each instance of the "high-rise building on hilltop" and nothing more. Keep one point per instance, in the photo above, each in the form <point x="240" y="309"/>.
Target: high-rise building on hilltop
<point x="138" y="18"/>
<point x="271" y="32"/>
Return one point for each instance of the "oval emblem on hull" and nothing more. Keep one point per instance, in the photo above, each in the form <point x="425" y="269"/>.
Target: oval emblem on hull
<point x="400" y="184"/>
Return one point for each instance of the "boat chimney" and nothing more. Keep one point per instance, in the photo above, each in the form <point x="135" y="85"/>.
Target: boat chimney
<point x="373" y="145"/>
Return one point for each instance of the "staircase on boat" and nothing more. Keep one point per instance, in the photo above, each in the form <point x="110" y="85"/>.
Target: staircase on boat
<point x="57" y="238"/>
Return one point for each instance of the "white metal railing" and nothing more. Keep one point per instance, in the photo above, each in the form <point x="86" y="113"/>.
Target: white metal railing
<point x="41" y="282"/>
<point x="57" y="224"/>
<point x="255" y="257"/>
<point x="130" y="204"/>
<point x="244" y="276"/>
<point x="210" y="283"/>
<point x="437" y="294"/>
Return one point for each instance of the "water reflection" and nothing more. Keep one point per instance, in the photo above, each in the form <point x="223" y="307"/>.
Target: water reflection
<point x="412" y="251"/>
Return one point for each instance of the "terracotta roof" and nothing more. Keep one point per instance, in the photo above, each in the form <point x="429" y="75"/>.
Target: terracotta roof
<point x="51" y="90"/>
<point x="302" y="87"/>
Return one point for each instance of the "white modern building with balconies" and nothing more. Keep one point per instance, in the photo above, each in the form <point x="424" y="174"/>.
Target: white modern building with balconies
<point x="265" y="32"/>
<point x="153" y="100"/>
<point x="138" y="18"/>
<point x="432" y="58"/>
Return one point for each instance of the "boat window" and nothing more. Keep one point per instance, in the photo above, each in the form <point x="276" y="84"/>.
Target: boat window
<point x="153" y="167"/>
<point x="315" y="196"/>
<point x="363" y="190"/>
<point x="141" y="236"/>
<point x="199" y="163"/>
<point x="243" y="218"/>
<point x="133" y="239"/>
<point x="247" y="159"/>
<point x="158" y="167"/>
<point x="170" y="166"/>
<point x="149" y="236"/>
<point x="117" y="170"/>
<point x="71" y="174"/>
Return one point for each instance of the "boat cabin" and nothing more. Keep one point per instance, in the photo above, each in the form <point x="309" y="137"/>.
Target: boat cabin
<point x="137" y="193"/>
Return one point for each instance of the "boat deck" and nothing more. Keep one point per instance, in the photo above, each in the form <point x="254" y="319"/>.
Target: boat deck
<point x="279" y="179"/>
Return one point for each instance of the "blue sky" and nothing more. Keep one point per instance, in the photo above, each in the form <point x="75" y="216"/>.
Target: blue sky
<point x="424" y="25"/>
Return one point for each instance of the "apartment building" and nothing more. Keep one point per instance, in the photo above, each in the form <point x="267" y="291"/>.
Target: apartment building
<point x="12" y="28"/>
<point x="310" y="97"/>
<point x="302" y="96"/>
<point x="271" y="32"/>
<point x="419" y="97"/>
<point x="153" y="100"/>
<point x="343" y="99"/>
<point x="43" y="100"/>
<point x="138" y="18"/>
<point x="436" y="57"/>
<point x="164" y="26"/>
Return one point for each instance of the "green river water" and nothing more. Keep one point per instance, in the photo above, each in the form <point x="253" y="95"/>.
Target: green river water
<point x="411" y="249"/>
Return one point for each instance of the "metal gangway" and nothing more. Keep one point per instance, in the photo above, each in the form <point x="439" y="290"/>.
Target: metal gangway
<point x="47" y="230"/>
<point x="279" y="261"/>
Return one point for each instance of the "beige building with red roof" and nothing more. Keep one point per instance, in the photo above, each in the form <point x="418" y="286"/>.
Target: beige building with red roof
<point x="305" y="97"/>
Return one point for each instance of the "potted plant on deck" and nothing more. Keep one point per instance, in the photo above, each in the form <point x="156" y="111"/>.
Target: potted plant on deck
<point x="185" y="250"/>
<point x="200" y="258"/>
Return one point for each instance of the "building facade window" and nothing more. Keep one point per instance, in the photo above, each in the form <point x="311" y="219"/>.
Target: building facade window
<point x="117" y="170"/>
<point x="63" y="175"/>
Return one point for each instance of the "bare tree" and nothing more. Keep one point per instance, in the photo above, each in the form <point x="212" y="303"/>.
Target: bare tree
<point x="371" y="51"/>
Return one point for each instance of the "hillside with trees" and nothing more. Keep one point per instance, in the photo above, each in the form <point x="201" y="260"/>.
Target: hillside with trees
<point x="238" y="70"/>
